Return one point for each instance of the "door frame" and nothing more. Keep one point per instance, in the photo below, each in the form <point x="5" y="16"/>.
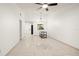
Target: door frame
<point x="20" y="29"/>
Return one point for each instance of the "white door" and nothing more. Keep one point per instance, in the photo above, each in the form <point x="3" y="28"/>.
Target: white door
<point x="28" y="30"/>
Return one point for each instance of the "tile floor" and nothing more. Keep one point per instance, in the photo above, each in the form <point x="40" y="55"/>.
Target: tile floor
<point x="35" y="46"/>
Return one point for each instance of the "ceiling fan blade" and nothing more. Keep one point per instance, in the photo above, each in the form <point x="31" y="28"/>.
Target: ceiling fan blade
<point x="39" y="3"/>
<point x="47" y="9"/>
<point x="52" y="4"/>
<point x="40" y="8"/>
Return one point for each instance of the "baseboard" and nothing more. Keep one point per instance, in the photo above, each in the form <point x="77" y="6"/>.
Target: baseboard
<point x="13" y="47"/>
<point x="64" y="43"/>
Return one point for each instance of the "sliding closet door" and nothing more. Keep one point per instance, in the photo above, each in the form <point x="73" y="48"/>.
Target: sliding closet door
<point x="27" y="30"/>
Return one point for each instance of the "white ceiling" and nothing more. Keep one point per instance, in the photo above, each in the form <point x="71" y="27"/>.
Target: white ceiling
<point x="36" y="6"/>
<point x="32" y="12"/>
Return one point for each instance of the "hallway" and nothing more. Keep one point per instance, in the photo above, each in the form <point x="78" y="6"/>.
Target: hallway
<point x="35" y="46"/>
<point x="60" y="22"/>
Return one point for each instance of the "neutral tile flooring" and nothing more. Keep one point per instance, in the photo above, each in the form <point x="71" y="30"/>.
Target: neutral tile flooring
<point x="35" y="46"/>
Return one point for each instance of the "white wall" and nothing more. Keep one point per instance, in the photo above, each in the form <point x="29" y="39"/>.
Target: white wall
<point x="9" y="27"/>
<point x="63" y="24"/>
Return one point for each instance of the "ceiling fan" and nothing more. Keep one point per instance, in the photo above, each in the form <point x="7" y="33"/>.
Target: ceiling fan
<point x="45" y="5"/>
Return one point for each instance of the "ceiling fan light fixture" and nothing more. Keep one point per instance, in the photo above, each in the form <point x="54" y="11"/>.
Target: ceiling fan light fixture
<point x="45" y="6"/>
